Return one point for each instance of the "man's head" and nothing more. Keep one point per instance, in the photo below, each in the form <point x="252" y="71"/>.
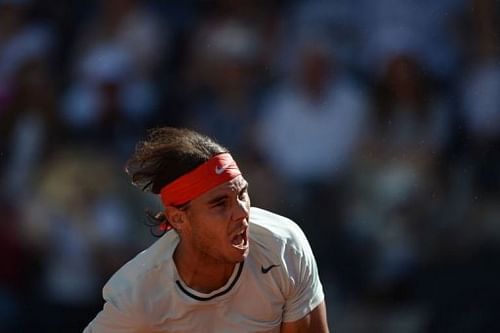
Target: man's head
<point x="180" y="164"/>
<point x="167" y="154"/>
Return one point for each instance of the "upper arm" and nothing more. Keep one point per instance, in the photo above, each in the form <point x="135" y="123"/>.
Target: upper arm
<point x="303" y="288"/>
<point x="314" y="321"/>
<point x="115" y="317"/>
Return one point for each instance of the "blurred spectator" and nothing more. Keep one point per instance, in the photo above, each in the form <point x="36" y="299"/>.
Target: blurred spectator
<point x="397" y="184"/>
<point x="21" y="40"/>
<point x="229" y="102"/>
<point x="27" y="96"/>
<point x="14" y="278"/>
<point x="481" y="101"/>
<point x="411" y="117"/>
<point x="339" y="20"/>
<point x="308" y="131"/>
<point x="129" y="25"/>
<point x="78" y="224"/>
<point x="482" y="123"/>
<point x="310" y="125"/>
<point x="480" y="98"/>
<point x="423" y="28"/>
<point x="229" y="52"/>
<point x="31" y="128"/>
<point x="112" y="94"/>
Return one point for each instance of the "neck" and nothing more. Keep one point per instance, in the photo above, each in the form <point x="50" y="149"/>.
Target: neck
<point x="200" y="272"/>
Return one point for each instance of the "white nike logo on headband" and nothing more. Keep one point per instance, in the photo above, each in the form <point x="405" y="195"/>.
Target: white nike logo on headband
<point x="220" y="169"/>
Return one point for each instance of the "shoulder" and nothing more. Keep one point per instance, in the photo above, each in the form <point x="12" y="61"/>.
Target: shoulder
<point x="135" y="277"/>
<point x="278" y="241"/>
<point x="273" y="230"/>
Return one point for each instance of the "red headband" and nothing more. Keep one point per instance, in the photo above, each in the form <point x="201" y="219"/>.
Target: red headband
<point x="217" y="170"/>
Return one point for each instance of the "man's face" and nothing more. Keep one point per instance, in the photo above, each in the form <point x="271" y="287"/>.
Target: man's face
<point x="217" y="225"/>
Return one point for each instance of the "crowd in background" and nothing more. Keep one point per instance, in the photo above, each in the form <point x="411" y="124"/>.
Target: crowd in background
<point x="375" y="125"/>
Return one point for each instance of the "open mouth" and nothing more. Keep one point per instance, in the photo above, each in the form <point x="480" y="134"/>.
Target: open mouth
<point x="240" y="240"/>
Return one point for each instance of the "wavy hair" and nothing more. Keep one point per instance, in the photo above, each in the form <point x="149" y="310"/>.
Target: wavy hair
<point x="166" y="154"/>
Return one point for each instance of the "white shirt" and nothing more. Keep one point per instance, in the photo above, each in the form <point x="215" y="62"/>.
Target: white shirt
<point x="308" y="140"/>
<point x="278" y="282"/>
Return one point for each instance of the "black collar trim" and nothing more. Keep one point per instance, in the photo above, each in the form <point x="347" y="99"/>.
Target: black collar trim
<point x="199" y="298"/>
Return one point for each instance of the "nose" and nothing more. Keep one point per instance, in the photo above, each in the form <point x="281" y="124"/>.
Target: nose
<point x="241" y="210"/>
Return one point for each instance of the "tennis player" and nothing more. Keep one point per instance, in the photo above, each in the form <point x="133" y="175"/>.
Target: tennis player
<point x="224" y="266"/>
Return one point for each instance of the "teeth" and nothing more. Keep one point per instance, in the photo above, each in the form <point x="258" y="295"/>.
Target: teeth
<point x="238" y="240"/>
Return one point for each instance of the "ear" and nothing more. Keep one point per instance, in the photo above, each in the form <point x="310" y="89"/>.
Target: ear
<point x="175" y="217"/>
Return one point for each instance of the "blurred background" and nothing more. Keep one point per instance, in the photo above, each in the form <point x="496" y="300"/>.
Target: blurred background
<point x="375" y="125"/>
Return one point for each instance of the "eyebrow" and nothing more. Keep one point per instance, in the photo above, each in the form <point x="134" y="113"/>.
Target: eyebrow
<point x="225" y="196"/>
<point x="217" y="199"/>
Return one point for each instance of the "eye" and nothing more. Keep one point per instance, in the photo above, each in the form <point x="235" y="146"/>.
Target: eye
<point x="243" y="193"/>
<point x="221" y="203"/>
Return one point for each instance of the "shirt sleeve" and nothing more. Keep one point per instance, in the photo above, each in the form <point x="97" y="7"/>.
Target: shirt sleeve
<point x="305" y="291"/>
<point x="117" y="316"/>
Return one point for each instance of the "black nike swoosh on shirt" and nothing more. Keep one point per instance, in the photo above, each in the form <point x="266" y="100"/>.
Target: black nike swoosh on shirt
<point x="264" y="270"/>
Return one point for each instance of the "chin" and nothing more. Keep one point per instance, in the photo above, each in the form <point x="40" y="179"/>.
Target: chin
<point x="241" y="256"/>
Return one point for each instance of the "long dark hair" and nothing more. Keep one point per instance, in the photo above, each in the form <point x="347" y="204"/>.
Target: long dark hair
<point x="165" y="155"/>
